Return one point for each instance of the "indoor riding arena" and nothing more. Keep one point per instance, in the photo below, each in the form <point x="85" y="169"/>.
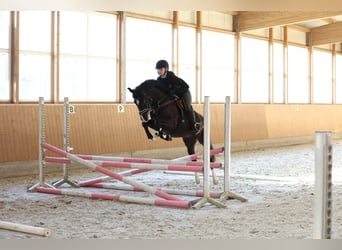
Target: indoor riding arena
<point x="76" y="157"/>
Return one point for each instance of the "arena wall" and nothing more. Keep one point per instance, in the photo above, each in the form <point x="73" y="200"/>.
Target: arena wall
<point x="101" y="129"/>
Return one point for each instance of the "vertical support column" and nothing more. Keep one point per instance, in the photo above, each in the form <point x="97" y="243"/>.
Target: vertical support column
<point x="238" y="73"/>
<point x="175" y="43"/>
<point x="333" y="73"/>
<point x="270" y="67"/>
<point x="198" y="96"/>
<point x="14" y="57"/>
<point x="285" y="69"/>
<point x="310" y="83"/>
<point x="54" y="56"/>
<point x="323" y="185"/>
<point x="122" y="57"/>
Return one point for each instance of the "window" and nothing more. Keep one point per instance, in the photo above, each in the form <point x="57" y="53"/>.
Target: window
<point x="187" y="57"/>
<point x="88" y="56"/>
<point x="34" y="55"/>
<point x="217" y="66"/>
<point x="278" y="73"/>
<point x="322" y="77"/>
<point x="298" y="81"/>
<point x="338" y="78"/>
<point x="147" y="42"/>
<point x="254" y="70"/>
<point x="4" y="55"/>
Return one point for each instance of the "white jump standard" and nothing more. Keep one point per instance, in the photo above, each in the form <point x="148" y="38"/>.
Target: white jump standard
<point x="323" y="185"/>
<point x="66" y="145"/>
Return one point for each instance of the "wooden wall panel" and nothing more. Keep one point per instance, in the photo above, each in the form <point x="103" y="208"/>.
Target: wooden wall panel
<point x="301" y="120"/>
<point x="248" y="122"/>
<point x="18" y="132"/>
<point x="101" y="129"/>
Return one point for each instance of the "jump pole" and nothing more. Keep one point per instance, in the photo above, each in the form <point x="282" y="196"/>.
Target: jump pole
<point x="107" y="172"/>
<point x="227" y="150"/>
<point x="93" y="181"/>
<point x="206" y="159"/>
<point x="197" y="155"/>
<point x="126" y="161"/>
<point x="129" y="199"/>
<point x="167" y="190"/>
<point x="132" y="165"/>
<point x="66" y="145"/>
<point x="323" y="185"/>
<point x="41" y="141"/>
<point x="180" y="160"/>
<point x="25" y="228"/>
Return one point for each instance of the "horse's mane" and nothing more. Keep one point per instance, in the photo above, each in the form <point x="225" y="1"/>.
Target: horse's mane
<point x="151" y="83"/>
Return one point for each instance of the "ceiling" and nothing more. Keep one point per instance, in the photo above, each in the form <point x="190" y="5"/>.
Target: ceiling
<point x="325" y="26"/>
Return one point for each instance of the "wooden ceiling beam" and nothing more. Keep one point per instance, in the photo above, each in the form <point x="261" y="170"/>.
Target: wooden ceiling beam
<point x="327" y="34"/>
<point x="251" y="20"/>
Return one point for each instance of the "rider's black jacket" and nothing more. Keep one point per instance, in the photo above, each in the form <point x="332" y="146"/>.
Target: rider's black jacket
<point x="174" y="84"/>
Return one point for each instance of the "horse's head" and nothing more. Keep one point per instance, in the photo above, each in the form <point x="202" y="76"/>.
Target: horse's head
<point x="144" y="103"/>
<point x="147" y="96"/>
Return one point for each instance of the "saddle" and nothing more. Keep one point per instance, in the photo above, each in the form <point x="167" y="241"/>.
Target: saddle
<point x="181" y="105"/>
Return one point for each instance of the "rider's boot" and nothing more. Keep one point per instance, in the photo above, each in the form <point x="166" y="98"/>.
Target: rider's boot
<point x="195" y="126"/>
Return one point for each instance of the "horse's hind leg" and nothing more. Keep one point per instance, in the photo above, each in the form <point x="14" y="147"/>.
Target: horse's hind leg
<point x="190" y="144"/>
<point x="200" y="138"/>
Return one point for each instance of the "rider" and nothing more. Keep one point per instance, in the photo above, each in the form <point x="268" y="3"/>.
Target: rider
<point x="177" y="86"/>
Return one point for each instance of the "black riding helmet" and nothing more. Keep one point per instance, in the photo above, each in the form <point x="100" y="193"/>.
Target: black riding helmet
<point x="162" y="64"/>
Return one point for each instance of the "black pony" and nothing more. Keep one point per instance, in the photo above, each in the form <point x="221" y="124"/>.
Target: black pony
<point x="164" y="113"/>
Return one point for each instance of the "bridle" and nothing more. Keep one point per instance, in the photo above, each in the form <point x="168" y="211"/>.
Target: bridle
<point x="150" y="109"/>
<point x="147" y="110"/>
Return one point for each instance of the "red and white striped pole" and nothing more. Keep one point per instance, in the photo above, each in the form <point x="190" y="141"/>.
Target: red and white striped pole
<point x="197" y="193"/>
<point x="107" y="172"/>
<point x="150" y="166"/>
<point x="177" y="161"/>
<point x="157" y="202"/>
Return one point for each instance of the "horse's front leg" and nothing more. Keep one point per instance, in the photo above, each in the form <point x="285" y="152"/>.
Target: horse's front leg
<point x="164" y="135"/>
<point x="147" y="131"/>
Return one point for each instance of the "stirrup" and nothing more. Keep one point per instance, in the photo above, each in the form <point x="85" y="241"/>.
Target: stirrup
<point x="197" y="126"/>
